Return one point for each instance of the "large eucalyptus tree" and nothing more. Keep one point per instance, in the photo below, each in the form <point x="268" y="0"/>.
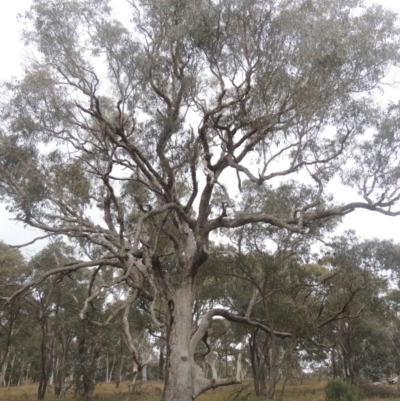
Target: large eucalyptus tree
<point x="132" y="139"/>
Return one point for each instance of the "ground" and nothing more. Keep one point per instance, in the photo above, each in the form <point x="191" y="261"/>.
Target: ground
<point x="310" y="390"/>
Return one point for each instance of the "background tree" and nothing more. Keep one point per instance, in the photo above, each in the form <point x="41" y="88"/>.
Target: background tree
<point x="13" y="317"/>
<point x="362" y="273"/>
<point x="48" y="300"/>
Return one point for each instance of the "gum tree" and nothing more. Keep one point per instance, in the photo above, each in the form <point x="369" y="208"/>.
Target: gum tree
<point x="132" y="139"/>
<point x="13" y="318"/>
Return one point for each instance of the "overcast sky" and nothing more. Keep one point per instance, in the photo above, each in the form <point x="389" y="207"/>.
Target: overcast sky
<point x="367" y="224"/>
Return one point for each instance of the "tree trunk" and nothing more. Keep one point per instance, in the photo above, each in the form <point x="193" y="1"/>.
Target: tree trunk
<point x="62" y="371"/>
<point x="54" y="372"/>
<point x="111" y="372"/>
<point x="161" y="363"/>
<point x="43" y="362"/>
<point x="178" y="375"/>
<point x="275" y="367"/>
<point x="5" y="354"/>
<point x="226" y="362"/>
<point x="239" y="373"/>
<point x="204" y="367"/>
<point x="52" y="364"/>
<point x="354" y="374"/>
<point x="27" y="373"/>
<point x="135" y="370"/>
<point x="11" y="371"/>
<point x="333" y="362"/>
<point x="144" y="373"/>
<point x="118" y="372"/>
<point x="214" y="371"/>
<point x="21" y="375"/>
<point x="258" y="357"/>
<point x="106" y="360"/>
<point x="4" y="367"/>
<point x="283" y="388"/>
<point x="184" y="379"/>
<point x="211" y="360"/>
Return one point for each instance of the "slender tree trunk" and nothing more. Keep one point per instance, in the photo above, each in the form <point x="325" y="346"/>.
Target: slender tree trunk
<point x="161" y="363"/>
<point x="106" y="359"/>
<point x="135" y="371"/>
<point x="62" y="371"/>
<point x="214" y="371"/>
<point x="333" y="362"/>
<point x="353" y="369"/>
<point x="120" y="367"/>
<point x="398" y="354"/>
<point x="258" y="357"/>
<point x="346" y="365"/>
<point x="285" y="360"/>
<point x="274" y="357"/>
<point x="226" y="361"/>
<point x="4" y="367"/>
<point x="64" y="390"/>
<point x="43" y="362"/>
<point x="118" y="372"/>
<point x="21" y="376"/>
<point x="5" y="355"/>
<point x="275" y="365"/>
<point x="111" y="372"/>
<point x="205" y="368"/>
<point x="283" y="388"/>
<point x="144" y="373"/>
<point x="178" y="375"/>
<point x="52" y="379"/>
<point x="11" y="371"/>
<point x="27" y="373"/>
<point x="239" y="373"/>
<point x="52" y="363"/>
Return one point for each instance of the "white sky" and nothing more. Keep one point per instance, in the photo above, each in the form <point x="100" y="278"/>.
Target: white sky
<point x="367" y="224"/>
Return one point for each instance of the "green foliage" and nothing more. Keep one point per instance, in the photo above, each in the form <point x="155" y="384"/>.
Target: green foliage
<point x="13" y="269"/>
<point x="339" y="390"/>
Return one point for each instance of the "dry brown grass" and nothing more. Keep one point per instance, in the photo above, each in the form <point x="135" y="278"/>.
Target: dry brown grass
<point x="311" y="390"/>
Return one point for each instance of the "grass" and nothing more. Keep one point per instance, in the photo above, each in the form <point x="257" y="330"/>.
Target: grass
<point x="311" y="390"/>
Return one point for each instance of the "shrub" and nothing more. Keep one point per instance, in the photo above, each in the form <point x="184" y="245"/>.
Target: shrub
<point x="367" y="390"/>
<point x="339" y="390"/>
